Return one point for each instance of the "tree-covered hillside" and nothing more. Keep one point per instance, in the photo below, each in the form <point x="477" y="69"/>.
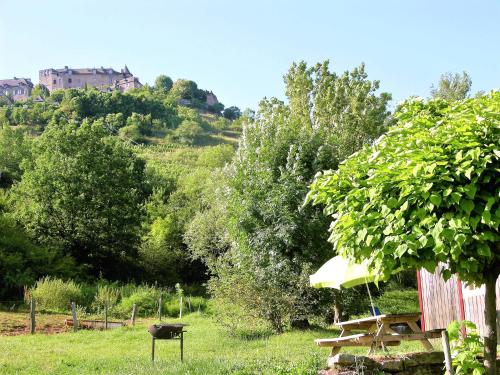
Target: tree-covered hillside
<point x="104" y="184"/>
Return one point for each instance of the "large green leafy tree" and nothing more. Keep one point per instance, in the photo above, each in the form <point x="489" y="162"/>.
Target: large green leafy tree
<point x="427" y="192"/>
<point x="277" y="244"/>
<point x="83" y="192"/>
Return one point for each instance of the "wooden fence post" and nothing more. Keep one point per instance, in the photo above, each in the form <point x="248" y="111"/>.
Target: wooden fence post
<point x="134" y="310"/>
<point x="447" y="352"/>
<point x="159" y="307"/>
<point x="106" y="316"/>
<point x="73" y="313"/>
<point x="32" y="316"/>
<point x="180" y="308"/>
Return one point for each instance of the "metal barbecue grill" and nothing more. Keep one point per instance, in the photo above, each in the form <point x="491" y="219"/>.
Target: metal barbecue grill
<point x="166" y="331"/>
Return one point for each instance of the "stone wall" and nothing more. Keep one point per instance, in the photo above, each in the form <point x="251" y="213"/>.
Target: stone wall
<point x="405" y="364"/>
<point x="409" y="364"/>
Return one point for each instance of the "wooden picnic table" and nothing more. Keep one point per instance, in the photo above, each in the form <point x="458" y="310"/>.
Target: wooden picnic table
<point x="378" y="332"/>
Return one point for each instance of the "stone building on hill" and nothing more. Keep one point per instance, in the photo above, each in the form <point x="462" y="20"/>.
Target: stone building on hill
<point x="101" y="78"/>
<point x="16" y="88"/>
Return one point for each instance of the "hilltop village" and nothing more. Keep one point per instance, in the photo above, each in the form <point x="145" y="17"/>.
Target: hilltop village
<point x="103" y="79"/>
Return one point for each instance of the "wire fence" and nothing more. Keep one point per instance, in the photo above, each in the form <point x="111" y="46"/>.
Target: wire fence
<point x="18" y="317"/>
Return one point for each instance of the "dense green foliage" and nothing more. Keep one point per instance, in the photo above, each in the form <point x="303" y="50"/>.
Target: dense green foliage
<point x="425" y="193"/>
<point x="13" y="149"/>
<point x="113" y="190"/>
<point x="436" y="203"/>
<point x="77" y="201"/>
<point x="267" y="245"/>
<point x="465" y="348"/>
<point x="22" y="261"/>
<point x="82" y="191"/>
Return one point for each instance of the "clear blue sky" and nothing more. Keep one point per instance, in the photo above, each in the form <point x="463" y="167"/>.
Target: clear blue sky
<point x="241" y="49"/>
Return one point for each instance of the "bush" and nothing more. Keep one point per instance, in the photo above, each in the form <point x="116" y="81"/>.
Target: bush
<point x="466" y="348"/>
<point x="55" y="294"/>
<point x="131" y="132"/>
<point x="237" y="322"/>
<point x="188" y="131"/>
<point x="146" y="299"/>
<point x="398" y="301"/>
<point x="171" y="306"/>
<point x="106" y="294"/>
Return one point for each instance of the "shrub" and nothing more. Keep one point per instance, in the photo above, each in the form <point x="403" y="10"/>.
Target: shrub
<point x="188" y="131"/>
<point x="398" y="301"/>
<point x="146" y="299"/>
<point x="56" y="294"/>
<point x="131" y="132"/>
<point x="238" y="322"/>
<point x="106" y="294"/>
<point x="171" y="307"/>
<point x="465" y="349"/>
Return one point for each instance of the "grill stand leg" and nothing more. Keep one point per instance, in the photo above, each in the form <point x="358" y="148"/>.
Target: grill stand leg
<point x="182" y="346"/>
<point x="153" y="350"/>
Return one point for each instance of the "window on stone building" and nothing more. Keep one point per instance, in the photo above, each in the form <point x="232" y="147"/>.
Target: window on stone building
<point x="69" y="80"/>
<point x="54" y="81"/>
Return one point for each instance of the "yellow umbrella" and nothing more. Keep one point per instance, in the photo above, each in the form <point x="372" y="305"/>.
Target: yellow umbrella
<point x="340" y="272"/>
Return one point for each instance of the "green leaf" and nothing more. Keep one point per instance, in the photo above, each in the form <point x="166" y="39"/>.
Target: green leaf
<point x="448" y="234"/>
<point x="468" y="172"/>
<point x="362" y="234"/>
<point x="423" y="241"/>
<point x="392" y="202"/>
<point x="453" y="330"/>
<point x="484" y="250"/>
<point x="447" y="192"/>
<point x="467" y="205"/>
<point x="470" y="190"/>
<point x="404" y="206"/>
<point x="446" y="274"/>
<point x="474" y="221"/>
<point x="486" y="217"/>
<point x="455" y="197"/>
<point x="401" y="250"/>
<point x="460" y="238"/>
<point x="435" y="199"/>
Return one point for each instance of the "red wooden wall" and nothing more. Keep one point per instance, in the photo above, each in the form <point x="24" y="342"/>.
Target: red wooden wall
<point x="441" y="302"/>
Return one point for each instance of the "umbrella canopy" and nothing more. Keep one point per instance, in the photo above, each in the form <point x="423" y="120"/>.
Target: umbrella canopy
<point x="339" y="272"/>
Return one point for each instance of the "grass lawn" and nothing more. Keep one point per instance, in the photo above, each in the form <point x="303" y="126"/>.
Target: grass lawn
<point x="208" y="350"/>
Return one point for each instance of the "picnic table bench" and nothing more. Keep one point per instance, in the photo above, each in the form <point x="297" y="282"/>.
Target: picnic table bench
<point x="378" y="332"/>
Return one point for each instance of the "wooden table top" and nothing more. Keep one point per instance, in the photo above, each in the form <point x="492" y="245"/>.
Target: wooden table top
<point x="385" y="318"/>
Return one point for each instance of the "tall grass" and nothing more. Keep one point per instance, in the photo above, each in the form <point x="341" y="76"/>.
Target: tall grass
<point x="56" y="295"/>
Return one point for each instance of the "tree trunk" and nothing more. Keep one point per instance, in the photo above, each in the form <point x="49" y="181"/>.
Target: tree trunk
<point x="490" y="318"/>
<point x="337" y="311"/>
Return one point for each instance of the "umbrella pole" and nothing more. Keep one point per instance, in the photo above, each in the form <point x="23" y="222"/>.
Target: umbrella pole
<point x="374" y="313"/>
<point x="370" y="296"/>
